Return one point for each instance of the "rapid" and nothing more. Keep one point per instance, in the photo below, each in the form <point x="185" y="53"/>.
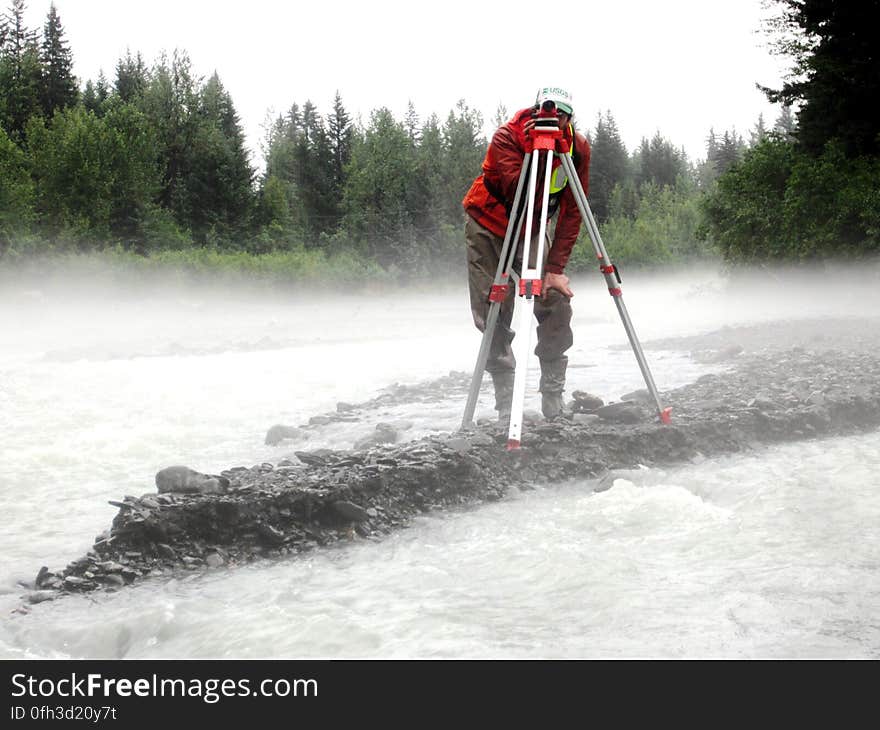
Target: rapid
<point x="104" y="380"/>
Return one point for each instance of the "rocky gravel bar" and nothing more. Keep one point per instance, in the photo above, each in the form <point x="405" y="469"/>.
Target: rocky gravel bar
<point x="327" y="497"/>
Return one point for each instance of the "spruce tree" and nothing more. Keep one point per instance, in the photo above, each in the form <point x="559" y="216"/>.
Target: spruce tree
<point x="411" y="123"/>
<point x="836" y="74"/>
<point x="20" y="73"/>
<point x="131" y="77"/>
<point x="59" y="85"/>
<point x="339" y="132"/>
<point x="609" y="165"/>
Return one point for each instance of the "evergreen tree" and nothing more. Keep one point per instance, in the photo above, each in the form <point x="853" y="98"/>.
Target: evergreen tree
<point x="785" y="124"/>
<point x="377" y="209"/>
<point x="728" y="152"/>
<point x="427" y="195"/>
<point x="95" y="94"/>
<point x="411" y="123"/>
<point x="759" y="133"/>
<point x="16" y="193"/>
<point x="20" y="73"/>
<point x="219" y="177"/>
<point x="131" y="77"/>
<point x="339" y="132"/>
<point x="836" y="74"/>
<point x="609" y="165"/>
<point x="169" y="103"/>
<point x="313" y="173"/>
<point x="59" y="85"/>
<point x="501" y="116"/>
<point x="464" y="147"/>
<point x="659" y="162"/>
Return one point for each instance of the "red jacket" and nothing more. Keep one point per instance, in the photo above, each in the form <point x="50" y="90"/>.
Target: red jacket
<point x="501" y="171"/>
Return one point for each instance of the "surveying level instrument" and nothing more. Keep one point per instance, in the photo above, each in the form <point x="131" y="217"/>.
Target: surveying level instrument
<point x="544" y="142"/>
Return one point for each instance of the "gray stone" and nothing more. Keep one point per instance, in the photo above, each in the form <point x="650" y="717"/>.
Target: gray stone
<point x="459" y="444"/>
<point x="109" y="566"/>
<point x="40" y="596"/>
<point x="585" y="418"/>
<point x="584" y="402"/>
<point x="350" y="511"/>
<point x="214" y="560"/>
<point x="709" y="357"/>
<point x="270" y="534"/>
<point x="184" y="480"/>
<point x="640" y="396"/>
<point x="278" y="433"/>
<point x="625" y="412"/>
<point x="384" y="433"/>
<point x="42" y="576"/>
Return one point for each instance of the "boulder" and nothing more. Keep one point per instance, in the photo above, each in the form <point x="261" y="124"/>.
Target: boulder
<point x="184" y="480"/>
<point x="279" y="433"/>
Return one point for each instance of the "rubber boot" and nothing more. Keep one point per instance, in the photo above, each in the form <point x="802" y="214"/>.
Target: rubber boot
<point x="503" y="382"/>
<point x="552" y="386"/>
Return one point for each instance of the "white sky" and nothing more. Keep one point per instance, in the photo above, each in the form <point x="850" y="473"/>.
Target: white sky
<point x="677" y="66"/>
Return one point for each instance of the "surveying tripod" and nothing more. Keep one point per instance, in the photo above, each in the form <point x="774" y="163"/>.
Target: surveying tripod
<point x="547" y="138"/>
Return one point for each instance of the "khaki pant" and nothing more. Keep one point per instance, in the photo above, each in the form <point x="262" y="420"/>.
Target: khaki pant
<point x="552" y="309"/>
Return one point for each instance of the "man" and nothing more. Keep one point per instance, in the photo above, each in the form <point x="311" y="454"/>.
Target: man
<point x="488" y="206"/>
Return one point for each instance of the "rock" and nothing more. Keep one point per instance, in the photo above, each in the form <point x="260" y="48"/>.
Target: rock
<point x="816" y="398"/>
<point x="710" y="357"/>
<point x="166" y="551"/>
<point x="459" y="444"/>
<point x="639" y="396"/>
<point x="40" y="596"/>
<point x="625" y="412"/>
<point x="277" y="433"/>
<point x="350" y="511"/>
<point x="384" y="433"/>
<point x="532" y="416"/>
<point x="585" y="418"/>
<point x="112" y="579"/>
<point x="41" y="578"/>
<point x="313" y="458"/>
<point x="214" y="560"/>
<point x="75" y="583"/>
<point x="343" y="407"/>
<point x="320" y="420"/>
<point x="270" y="534"/>
<point x="110" y="566"/>
<point x="584" y="402"/>
<point x="184" y="480"/>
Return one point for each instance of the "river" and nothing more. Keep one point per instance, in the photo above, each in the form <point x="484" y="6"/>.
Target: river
<point x="105" y="380"/>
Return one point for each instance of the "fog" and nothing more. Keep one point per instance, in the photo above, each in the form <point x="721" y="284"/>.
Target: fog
<point x="107" y="377"/>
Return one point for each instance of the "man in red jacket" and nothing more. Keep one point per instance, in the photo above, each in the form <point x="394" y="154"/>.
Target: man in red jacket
<point x="488" y="205"/>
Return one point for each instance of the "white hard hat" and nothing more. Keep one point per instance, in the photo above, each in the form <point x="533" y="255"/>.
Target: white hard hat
<point x="558" y="96"/>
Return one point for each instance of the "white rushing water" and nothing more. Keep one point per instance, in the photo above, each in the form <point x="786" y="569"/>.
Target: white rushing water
<point x="767" y="554"/>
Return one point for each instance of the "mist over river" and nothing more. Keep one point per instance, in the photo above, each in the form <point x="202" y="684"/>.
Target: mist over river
<point x="106" y="380"/>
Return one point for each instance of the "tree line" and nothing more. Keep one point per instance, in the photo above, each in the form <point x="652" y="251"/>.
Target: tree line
<point x="813" y="193"/>
<point x="154" y="160"/>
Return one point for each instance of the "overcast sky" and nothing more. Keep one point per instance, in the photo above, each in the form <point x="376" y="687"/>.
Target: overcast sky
<point x="678" y="67"/>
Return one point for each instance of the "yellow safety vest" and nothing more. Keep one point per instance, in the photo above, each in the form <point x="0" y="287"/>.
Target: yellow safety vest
<point x="559" y="179"/>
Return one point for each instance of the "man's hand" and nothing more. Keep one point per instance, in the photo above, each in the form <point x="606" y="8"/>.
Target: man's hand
<point x="556" y="281"/>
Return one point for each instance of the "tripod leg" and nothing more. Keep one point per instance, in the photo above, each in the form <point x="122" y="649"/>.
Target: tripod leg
<point x="497" y="294"/>
<point x="529" y="288"/>
<point x="613" y="280"/>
